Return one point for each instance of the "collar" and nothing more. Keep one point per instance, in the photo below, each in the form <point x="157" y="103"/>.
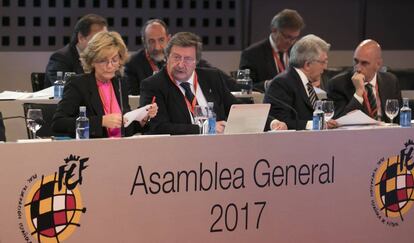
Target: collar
<point x="373" y="81"/>
<point x="273" y="44"/>
<point x="302" y="76"/>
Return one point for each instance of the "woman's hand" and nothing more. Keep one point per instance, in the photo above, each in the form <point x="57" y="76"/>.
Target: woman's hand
<point x="112" y="120"/>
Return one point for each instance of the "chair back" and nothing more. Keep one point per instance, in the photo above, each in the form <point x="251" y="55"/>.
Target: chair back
<point x="48" y="110"/>
<point x="37" y="80"/>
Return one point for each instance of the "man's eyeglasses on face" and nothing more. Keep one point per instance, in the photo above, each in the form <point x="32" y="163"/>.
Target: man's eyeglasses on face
<point x="185" y="60"/>
<point x="323" y="62"/>
<point x="288" y="37"/>
<point x="114" y="61"/>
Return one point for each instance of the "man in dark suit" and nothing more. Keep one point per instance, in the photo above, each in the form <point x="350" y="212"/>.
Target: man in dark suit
<point x="365" y="88"/>
<point x="67" y="58"/>
<point x="179" y="86"/>
<point x="292" y="91"/>
<point x="151" y="58"/>
<point x="268" y="57"/>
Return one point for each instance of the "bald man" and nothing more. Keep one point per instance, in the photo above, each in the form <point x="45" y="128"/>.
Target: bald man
<point x="364" y="88"/>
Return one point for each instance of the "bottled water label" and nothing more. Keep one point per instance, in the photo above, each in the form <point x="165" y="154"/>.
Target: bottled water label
<point x="405" y="118"/>
<point x="82" y="133"/>
<point x="58" y="91"/>
<point x="318" y="121"/>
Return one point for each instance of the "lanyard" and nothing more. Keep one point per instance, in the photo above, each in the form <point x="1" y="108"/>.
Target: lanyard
<point x="279" y="65"/>
<point x="152" y="64"/>
<point x="192" y="104"/>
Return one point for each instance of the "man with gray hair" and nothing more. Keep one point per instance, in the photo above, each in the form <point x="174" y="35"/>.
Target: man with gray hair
<point x="270" y="56"/>
<point x="181" y="85"/>
<point x="294" y="87"/>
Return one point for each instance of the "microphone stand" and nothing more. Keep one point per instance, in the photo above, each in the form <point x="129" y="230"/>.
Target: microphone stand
<point x="119" y="77"/>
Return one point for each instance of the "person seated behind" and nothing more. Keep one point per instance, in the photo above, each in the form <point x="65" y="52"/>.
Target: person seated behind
<point x="179" y="86"/>
<point x="270" y="56"/>
<point x="150" y="59"/>
<point x="67" y="58"/>
<point x="98" y="89"/>
<point x="352" y="89"/>
<point x="294" y="87"/>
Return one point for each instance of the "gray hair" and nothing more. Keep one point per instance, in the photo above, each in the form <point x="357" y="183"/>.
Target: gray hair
<point x="307" y="49"/>
<point x="287" y="19"/>
<point x="185" y="39"/>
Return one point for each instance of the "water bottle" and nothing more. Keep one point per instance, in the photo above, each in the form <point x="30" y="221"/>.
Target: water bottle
<point x="405" y="114"/>
<point x="82" y="124"/>
<point x="246" y="83"/>
<point x="211" y="118"/>
<point x="318" y="119"/>
<point x="58" y="86"/>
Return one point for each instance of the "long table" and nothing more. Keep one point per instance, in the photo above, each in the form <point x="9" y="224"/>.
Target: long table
<point x="326" y="186"/>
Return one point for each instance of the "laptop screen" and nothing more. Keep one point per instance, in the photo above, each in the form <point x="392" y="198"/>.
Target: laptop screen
<point x="247" y="118"/>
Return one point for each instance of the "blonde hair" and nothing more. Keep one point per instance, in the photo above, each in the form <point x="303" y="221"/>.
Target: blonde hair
<point x="98" y="47"/>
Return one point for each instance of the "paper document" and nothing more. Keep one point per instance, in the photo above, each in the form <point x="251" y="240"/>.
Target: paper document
<point x="356" y="117"/>
<point x="136" y="115"/>
<point x="14" y="95"/>
<point x="44" y="93"/>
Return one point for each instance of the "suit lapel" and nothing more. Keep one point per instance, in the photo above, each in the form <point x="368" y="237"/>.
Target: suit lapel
<point x="270" y="61"/>
<point x="301" y="88"/>
<point x="95" y="99"/>
<point x="382" y="91"/>
<point x="205" y="86"/>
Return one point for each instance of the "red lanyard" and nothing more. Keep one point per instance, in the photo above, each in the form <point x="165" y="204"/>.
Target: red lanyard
<point x="192" y="104"/>
<point x="152" y="64"/>
<point x="279" y="65"/>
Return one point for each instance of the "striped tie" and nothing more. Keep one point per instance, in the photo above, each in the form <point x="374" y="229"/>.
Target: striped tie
<point x="312" y="94"/>
<point x="372" y="101"/>
<point x="188" y="93"/>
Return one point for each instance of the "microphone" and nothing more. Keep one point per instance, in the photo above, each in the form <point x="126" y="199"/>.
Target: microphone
<point x="284" y="104"/>
<point x="118" y="77"/>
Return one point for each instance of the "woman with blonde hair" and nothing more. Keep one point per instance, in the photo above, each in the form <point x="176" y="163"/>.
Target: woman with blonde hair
<point x="98" y="89"/>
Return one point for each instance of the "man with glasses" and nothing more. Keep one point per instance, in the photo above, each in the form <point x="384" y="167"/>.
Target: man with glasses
<point x="294" y="87"/>
<point x="364" y="88"/>
<point x="269" y="57"/>
<point x="67" y="58"/>
<point x="150" y="59"/>
<point x="180" y="86"/>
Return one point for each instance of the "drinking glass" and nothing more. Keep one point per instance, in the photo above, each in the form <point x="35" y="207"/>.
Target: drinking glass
<point x="329" y="109"/>
<point x="34" y="120"/>
<point x="391" y="109"/>
<point x="200" y="118"/>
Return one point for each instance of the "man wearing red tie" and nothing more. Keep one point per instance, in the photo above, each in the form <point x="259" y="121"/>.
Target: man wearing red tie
<point x="270" y="56"/>
<point x="365" y="87"/>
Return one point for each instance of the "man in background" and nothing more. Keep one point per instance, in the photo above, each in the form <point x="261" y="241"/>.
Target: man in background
<point x="269" y="57"/>
<point x="151" y="58"/>
<point x="291" y="93"/>
<point x="67" y="58"/>
<point x="364" y="88"/>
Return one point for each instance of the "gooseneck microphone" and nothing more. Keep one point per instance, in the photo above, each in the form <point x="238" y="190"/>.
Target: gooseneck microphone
<point x="284" y="104"/>
<point x="118" y="77"/>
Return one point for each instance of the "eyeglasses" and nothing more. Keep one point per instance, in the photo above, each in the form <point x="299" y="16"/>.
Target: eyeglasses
<point x="288" y="37"/>
<point x="323" y="62"/>
<point x="114" y="61"/>
<point x="185" y="60"/>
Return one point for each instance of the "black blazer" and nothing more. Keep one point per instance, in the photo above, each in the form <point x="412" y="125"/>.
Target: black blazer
<point x="138" y="69"/>
<point x="65" y="60"/>
<point x="288" y="87"/>
<point x="259" y="59"/>
<point x="341" y="90"/>
<point x="82" y="90"/>
<point x="173" y="116"/>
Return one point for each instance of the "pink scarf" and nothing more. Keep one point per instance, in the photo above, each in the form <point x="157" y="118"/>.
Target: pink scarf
<point x="110" y="104"/>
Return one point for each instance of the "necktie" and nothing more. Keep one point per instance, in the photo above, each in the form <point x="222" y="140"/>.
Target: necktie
<point x="188" y="93"/>
<point x="371" y="100"/>
<point x="312" y="94"/>
<point x="160" y="64"/>
<point x="281" y="59"/>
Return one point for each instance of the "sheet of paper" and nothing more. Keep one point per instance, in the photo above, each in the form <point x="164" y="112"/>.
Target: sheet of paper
<point x="14" y="95"/>
<point x="320" y="93"/>
<point x="356" y="117"/>
<point x="44" y="93"/>
<point x="136" y="115"/>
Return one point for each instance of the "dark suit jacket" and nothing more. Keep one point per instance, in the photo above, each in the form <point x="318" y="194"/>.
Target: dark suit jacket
<point x="138" y="69"/>
<point x="65" y="60"/>
<point x="288" y="88"/>
<point x="341" y="90"/>
<point x="2" y="129"/>
<point x="173" y="116"/>
<point x="82" y="90"/>
<point x="259" y="59"/>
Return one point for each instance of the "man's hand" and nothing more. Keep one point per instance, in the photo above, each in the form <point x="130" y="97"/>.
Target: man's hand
<point x="278" y="125"/>
<point x="220" y="125"/>
<point x="358" y="80"/>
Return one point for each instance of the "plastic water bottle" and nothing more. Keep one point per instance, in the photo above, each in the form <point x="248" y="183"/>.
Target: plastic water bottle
<point x="58" y="85"/>
<point x="318" y="119"/>
<point x="211" y="118"/>
<point x="246" y="83"/>
<point x="405" y="114"/>
<point x="82" y="124"/>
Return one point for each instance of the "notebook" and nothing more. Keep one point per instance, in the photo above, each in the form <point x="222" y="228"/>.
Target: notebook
<point x="247" y="118"/>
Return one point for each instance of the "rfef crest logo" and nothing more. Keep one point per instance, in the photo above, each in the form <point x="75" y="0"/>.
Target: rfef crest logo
<point x="53" y="205"/>
<point x="392" y="186"/>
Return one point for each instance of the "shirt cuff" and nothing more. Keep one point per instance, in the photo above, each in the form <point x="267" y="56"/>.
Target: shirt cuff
<point x="358" y="98"/>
